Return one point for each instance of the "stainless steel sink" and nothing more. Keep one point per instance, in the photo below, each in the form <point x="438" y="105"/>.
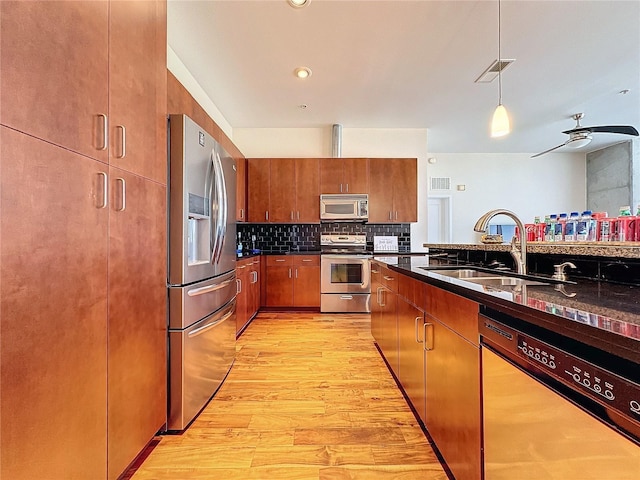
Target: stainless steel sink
<point x="504" y="281"/>
<point x="489" y="279"/>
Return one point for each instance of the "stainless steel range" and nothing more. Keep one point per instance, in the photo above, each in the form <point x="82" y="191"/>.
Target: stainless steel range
<point x="345" y="273"/>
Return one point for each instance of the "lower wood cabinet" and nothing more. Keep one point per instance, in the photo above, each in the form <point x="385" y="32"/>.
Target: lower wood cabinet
<point x="429" y="337"/>
<point x="293" y="281"/>
<point x="411" y="354"/>
<point x="453" y="413"/>
<point x="248" y="299"/>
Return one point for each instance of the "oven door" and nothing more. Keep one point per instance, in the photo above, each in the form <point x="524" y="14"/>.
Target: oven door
<point x="345" y="274"/>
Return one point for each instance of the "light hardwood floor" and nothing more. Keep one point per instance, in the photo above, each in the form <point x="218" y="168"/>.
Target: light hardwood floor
<point x="308" y="397"/>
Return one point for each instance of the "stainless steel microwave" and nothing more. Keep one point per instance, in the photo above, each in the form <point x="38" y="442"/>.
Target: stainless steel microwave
<point x="344" y="208"/>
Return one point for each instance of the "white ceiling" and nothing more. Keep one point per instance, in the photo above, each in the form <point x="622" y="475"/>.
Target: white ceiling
<point x="412" y="64"/>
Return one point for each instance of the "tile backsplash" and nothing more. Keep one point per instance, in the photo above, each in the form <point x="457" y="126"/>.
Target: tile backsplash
<point x="272" y="237"/>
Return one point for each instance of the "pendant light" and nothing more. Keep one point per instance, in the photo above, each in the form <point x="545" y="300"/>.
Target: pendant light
<point x="500" y="121"/>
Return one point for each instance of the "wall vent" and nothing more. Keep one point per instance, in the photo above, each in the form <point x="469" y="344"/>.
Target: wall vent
<point x="440" y="183"/>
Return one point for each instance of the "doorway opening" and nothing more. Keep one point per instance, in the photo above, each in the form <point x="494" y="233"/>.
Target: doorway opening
<point x="439" y="223"/>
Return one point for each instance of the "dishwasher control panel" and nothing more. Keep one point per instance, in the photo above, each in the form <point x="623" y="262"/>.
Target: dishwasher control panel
<point x="599" y="384"/>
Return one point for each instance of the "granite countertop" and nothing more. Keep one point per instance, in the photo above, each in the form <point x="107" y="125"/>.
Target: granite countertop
<point x="601" y="314"/>
<point x="593" y="249"/>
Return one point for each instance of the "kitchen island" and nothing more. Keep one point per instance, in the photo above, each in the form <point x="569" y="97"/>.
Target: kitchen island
<point x="433" y="319"/>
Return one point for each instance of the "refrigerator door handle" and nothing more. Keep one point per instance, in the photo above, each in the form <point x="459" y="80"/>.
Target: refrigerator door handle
<point x="209" y="288"/>
<point x="222" y="216"/>
<point x="209" y="326"/>
<point x="213" y="202"/>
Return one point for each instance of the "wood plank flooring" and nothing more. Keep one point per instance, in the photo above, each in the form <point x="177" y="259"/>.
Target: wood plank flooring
<point x="309" y="397"/>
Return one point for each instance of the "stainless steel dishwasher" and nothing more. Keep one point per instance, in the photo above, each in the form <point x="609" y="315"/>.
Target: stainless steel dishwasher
<point x="554" y="408"/>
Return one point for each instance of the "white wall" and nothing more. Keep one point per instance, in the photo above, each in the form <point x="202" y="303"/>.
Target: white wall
<point x="356" y="142"/>
<point x="553" y="183"/>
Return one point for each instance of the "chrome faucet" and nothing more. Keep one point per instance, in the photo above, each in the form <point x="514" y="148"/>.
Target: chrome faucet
<point x="519" y="256"/>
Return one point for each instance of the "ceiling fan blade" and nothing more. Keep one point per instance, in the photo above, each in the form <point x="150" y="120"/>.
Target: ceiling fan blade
<point x="550" y="150"/>
<point x="621" y="129"/>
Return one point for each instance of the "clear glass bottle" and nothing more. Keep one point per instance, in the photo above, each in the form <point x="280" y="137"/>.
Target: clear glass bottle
<point x="550" y="230"/>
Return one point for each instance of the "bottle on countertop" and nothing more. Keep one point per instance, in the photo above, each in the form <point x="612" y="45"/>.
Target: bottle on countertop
<point x="586" y="228"/>
<point x="550" y="229"/>
<point x="560" y="228"/>
<point x="239" y="248"/>
<point x="627" y="230"/>
<point x="571" y="226"/>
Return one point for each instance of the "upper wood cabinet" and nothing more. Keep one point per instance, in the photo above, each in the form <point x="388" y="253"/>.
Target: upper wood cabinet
<point x="283" y="190"/>
<point x="55" y="71"/>
<point x="92" y="75"/>
<point x="241" y="189"/>
<point x="344" y="175"/>
<point x="137" y="87"/>
<point x="258" y="186"/>
<point x="393" y="190"/>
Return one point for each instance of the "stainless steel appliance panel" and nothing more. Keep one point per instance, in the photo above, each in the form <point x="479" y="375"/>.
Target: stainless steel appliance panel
<point x="188" y="304"/>
<point x="345" y="274"/>
<point x="202" y="204"/>
<point x="344" y="208"/>
<point x="554" y="413"/>
<point x="201" y="357"/>
<point x="345" y="302"/>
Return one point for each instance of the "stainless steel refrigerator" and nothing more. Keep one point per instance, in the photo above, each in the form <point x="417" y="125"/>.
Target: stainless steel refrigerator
<point x="202" y="261"/>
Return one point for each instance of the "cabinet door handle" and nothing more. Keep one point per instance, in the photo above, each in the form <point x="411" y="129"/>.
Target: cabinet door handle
<point x="396" y="215"/>
<point x="298" y="215"/>
<point x="123" y="141"/>
<point x="266" y="215"/>
<point x="289" y="272"/>
<point x="123" y="194"/>
<point x="238" y="285"/>
<point x="390" y="217"/>
<point x="254" y="276"/>
<point x="374" y="271"/>
<point x="306" y="259"/>
<point x="104" y="132"/>
<point x="383" y="293"/>
<point x="291" y="214"/>
<point x="417" y="330"/>
<point x="240" y="267"/>
<point x="340" y="188"/>
<point x="296" y="273"/>
<point x="242" y="213"/>
<point x="426" y="344"/>
<point x="105" y="190"/>
<point x="347" y="188"/>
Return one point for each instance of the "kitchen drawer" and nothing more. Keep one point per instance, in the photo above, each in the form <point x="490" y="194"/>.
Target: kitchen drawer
<point x="279" y="260"/>
<point x="412" y="290"/>
<point x="389" y="278"/>
<point x="306" y="260"/>
<point x="458" y="313"/>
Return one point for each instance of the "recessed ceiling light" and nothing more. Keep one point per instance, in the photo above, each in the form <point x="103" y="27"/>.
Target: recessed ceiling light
<point x="299" y="3"/>
<point x="302" y="72"/>
<point x="302" y="106"/>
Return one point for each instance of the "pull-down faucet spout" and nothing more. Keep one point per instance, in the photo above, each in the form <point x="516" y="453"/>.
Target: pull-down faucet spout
<point x="519" y="256"/>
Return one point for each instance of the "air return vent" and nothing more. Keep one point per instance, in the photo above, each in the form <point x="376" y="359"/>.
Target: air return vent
<point x="440" y="183"/>
<point x="491" y="73"/>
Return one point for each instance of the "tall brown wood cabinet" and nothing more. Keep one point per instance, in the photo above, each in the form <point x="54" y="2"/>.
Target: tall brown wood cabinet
<point x="393" y="190"/>
<point x="83" y="239"/>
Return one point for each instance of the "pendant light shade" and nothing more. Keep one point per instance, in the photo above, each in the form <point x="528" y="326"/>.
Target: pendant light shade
<point x="500" y="125"/>
<point x="500" y="122"/>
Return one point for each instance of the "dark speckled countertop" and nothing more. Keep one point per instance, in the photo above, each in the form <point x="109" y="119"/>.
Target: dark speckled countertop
<point x="600" y="314"/>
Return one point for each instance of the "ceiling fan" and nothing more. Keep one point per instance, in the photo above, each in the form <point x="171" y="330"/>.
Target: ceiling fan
<point x="580" y="136"/>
